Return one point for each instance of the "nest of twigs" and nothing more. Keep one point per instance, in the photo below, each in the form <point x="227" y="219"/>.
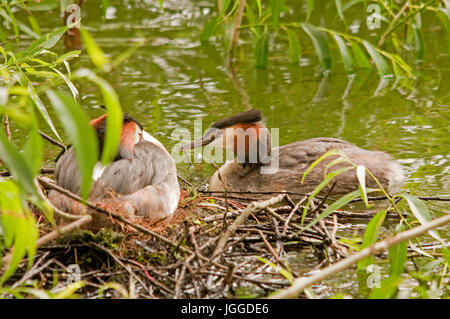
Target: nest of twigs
<point x="213" y="247"/>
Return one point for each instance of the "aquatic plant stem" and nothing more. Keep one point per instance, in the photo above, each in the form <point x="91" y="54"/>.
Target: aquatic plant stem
<point x="391" y="25"/>
<point x="237" y="25"/>
<point x="300" y="284"/>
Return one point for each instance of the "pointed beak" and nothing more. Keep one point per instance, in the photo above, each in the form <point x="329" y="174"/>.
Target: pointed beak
<point x="210" y="135"/>
<point x="196" y="143"/>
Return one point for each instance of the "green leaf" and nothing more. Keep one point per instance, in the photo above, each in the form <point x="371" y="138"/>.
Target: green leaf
<point x="445" y="20"/>
<point x="33" y="150"/>
<point x="67" y="56"/>
<point x="42" y="109"/>
<point x="320" y="159"/>
<point x="397" y="259"/>
<point x="361" y="175"/>
<point x="82" y="135"/>
<point x="275" y="6"/>
<point x="47" y="6"/>
<point x="420" y="211"/>
<point x="258" y="3"/>
<point x="17" y="165"/>
<point x="309" y="8"/>
<point x="98" y="58"/>
<point x="387" y="289"/>
<point x="13" y="22"/>
<point x="383" y="68"/>
<point x="344" y="200"/>
<point x="347" y="58"/>
<point x="69" y="290"/>
<point x="360" y="58"/>
<point x="225" y="5"/>
<point x="18" y="225"/>
<point x="288" y="275"/>
<point x="34" y="24"/>
<point x="114" y="118"/>
<point x="294" y="46"/>
<point x="46" y="42"/>
<point x="321" y="186"/>
<point x="370" y="236"/>
<point x="321" y="46"/>
<point x="262" y="51"/>
<point x="125" y="55"/>
<point x="339" y="10"/>
<point x="209" y="29"/>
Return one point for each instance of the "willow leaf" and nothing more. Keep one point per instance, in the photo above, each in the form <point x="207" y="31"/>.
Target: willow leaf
<point x="360" y="58"/>
<point x="262" y="51"/>
<point x="294" y="46"/>
<point x="420" y="211"/>
<point x="115" y="114"/>
<point x="370" y="236"/>
<point x="383" y="68"/>
<point x="16" y="164"/>
<point x="82" y="135"/>
<point x="98" y="58"/>
<point x="320" y="44"/>
<point x="347" y="58"/>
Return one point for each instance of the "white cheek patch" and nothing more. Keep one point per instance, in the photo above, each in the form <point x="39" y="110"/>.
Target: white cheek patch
<point x="137" y="135"/>
<point x="98" y="171"/>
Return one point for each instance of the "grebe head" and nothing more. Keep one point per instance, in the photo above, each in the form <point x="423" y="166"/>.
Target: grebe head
<point x="244" y="133"/>
<point x="132" y="133"/>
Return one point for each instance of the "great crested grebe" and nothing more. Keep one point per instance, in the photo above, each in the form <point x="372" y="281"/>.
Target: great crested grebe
<point x="290" y="161"/>
<point x="142" y="179"/>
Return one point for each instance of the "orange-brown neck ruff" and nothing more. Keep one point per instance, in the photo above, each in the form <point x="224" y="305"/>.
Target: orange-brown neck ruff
<point x="127" y="138"/>
<point x="249" y="134"/>
<point x="99" y="120"/>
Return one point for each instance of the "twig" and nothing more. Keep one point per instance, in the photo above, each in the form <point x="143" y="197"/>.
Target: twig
<point x="300" y="284"/>
<point x="185" y="181"/>
<point x="52" y="235"/>
<point x="44" y="170"/>
<point x="255" y="206"/>
<point x="113" y="215"/>
<point x="270" y="248"/>
<point x="296" y="207"/>
<point x="180" y="278"/>
<point x="64" y="230"/>
<point x="55" y="209"/>
<point x="34" y="270"/>
<point x="7" y="128"/>
<point x="117" y="259"/>
<point x="53" y="141"/>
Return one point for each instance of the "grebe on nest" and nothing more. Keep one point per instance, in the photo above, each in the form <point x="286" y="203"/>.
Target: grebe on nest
<point x="142" y="179"/>
<point x="246" y="134"/>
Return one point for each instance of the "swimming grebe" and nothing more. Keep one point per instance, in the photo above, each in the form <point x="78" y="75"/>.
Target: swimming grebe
<point x="290" y="161"/>
<point x="142" y="179"/>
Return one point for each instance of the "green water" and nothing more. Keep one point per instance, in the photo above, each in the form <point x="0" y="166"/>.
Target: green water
<point x="173" y="79"/>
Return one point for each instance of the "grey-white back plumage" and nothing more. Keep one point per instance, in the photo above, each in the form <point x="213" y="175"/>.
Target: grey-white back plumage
<point x="147" y="180"/>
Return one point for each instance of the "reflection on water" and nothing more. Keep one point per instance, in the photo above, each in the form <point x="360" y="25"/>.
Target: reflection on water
<point x="173" y="80"/>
